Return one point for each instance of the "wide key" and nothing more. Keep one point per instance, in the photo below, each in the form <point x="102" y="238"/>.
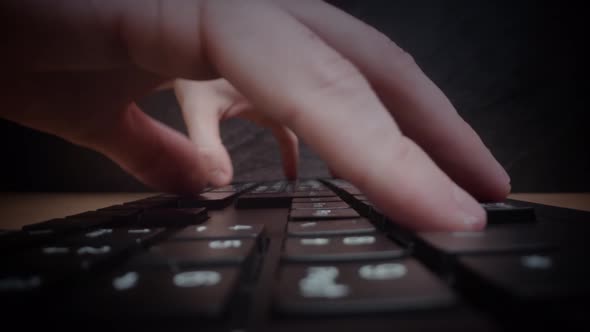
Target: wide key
<point x="341" y="248"/>
<point x="382" y="286"/>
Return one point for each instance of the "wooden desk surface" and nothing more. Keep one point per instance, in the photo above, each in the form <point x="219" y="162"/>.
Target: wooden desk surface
<point x="18" y="209"/>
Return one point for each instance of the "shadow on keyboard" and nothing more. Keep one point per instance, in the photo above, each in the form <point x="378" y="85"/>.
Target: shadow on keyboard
<point x="311" y="255"/>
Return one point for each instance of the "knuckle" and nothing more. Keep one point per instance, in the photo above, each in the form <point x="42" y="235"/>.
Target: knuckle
<point x="401" y="58"/>
<point x="337" y="77"/>
<point x="404" y="150"/>
<point x="332" y="79"/>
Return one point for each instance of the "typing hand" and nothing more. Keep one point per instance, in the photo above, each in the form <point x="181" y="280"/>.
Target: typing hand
<point x="74" y="68"/>
<point x="204" y="104"/>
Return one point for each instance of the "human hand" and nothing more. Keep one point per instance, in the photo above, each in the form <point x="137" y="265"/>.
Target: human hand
<point x="206" y="103"/>
<point x="74" y="69"/>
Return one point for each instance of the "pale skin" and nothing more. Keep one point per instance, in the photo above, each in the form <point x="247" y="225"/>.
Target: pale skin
<point x="303" y="68"/>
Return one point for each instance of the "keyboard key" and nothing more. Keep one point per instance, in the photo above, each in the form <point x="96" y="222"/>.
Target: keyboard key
<point x="119" y="217"/>
<point x="14" y="241"/>
<point x="382" y="286"/>
<point x="120" y="207"/>
<point x="341" y="248"/>
<point x="213" y="231"/>
<point x="346" y="188"/>
<point x="319" y="205"/>
<point x="319" y="214"/>
<point x="312" y="193"/>
<point x="491" y="240"/>
<point x="112" y="236"/>
<point x="439" y="247"/>
<point x="330" y="227"/>
<point x="211" y="200"/>
<point x="527" y="278"/>
<point x="279" y="195"/>
<point x="186" y="293"/>
<point x="233" y="188"/>
<point x="20" y="282"/>
<point x="196" y="253"/>
<point x="325" y="199"/>
<point x="72" y="223"/>
<point x="505" y="213"/>
<point x="56" y="260"/>
<point x="264" y="200"/>
<point x="172" y="217"/>
<point x="309" y="185"/>
<point x="156" y="202"/>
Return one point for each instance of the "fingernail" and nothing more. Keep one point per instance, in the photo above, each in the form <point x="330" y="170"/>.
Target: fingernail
<point x="217" y="177"/>
<point x="470" y="215"/>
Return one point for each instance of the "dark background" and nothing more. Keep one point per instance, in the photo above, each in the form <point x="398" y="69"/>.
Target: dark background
<point x="513" y="69"/>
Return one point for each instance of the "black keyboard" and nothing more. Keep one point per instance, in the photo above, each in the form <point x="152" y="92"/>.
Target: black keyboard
<point x="312" y="255"/>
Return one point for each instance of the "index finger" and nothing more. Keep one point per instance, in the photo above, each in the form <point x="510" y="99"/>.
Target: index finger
<point x="289" y="72"/>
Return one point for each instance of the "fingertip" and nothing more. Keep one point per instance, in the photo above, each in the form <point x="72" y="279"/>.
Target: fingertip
<point x="219" y="177"/>
<point x="291" y="173"/>
<point x="470" y="214"/>
<point x="496" y="190"/>
<point x="499" y="181"/>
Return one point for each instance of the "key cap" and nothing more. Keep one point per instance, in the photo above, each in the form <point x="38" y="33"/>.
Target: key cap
<point x="273" y="188"/>
<point x="231" y="188"/>
<point x="43" y="225"/>
<point x="20" y="282"/>
<point x="234" y="187"/>
<point x="112" y="236"/>
<point x="202" y="292"/>
<point x="15" y="241"/>
<point x="505" y="213"/>
<point x="172" y="217"/>
<point x="90" y="219"/>
<point x="155" y="202"/>
<point x="323" y="214"/>
<point x="216" y="231"/>
<point x="276" y="195"/>
<point x="312" y="193"/>
<point x="325" y="199"/>
<point x="527" y="278"/>
<point x="211" y="200"/>
<point x="196" y="253"/>
<point x="264" y="200"/>
<point x="319" y="205"/>
<point x="341" y="248"/>
<point x="120" y="207"/>
<point x="438" y="248"/>
<point x="346" y="188"/>
<point x="330" y="227"/>
<point x="361" y="198"/>
<point x="73" y="223"/>
<point x="309" y="185"/>
<point x="56" y="261"/>
<point x="382" y="286"/>
<point x="267" y="195"/>
<point x="491" y="240"/>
